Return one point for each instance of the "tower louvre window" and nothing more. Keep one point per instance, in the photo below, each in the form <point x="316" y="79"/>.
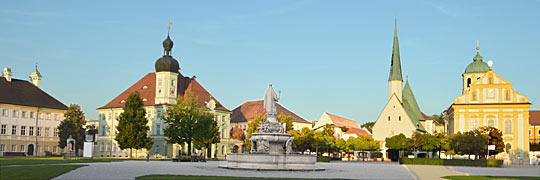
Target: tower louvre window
<point x="468" y="82"/>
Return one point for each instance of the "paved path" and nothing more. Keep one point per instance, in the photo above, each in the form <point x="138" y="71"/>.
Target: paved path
<point x="504" y="171"/>
<point x="427" y="172"/>
<point x="132" y="169"/>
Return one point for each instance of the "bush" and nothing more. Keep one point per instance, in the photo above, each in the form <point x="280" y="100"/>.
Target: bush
<point x="323" y="159"/>
<point x="453" y="162"/>
<point x="375" y="154"/>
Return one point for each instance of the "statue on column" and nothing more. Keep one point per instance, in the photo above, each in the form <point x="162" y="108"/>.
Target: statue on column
<point x="270" y="99"/>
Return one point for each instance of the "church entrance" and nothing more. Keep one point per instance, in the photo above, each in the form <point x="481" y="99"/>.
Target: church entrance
<point x="30" y="150"/>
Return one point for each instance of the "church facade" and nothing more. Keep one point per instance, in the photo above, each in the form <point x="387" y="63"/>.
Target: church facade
<point x="159" y="91"/>
<point x="489" y="100"/>
<point x="401" y="113"/>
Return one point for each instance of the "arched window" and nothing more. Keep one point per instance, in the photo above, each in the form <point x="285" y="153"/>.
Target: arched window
<point x="399" y="118"/>
<point x="223" y="149"/>
<point x="491" y="123"/>
<point x="508" y="126"/>
<point x="388" y="118"/>
<point x="474" y="124"/>
<point x="468" y="82"/>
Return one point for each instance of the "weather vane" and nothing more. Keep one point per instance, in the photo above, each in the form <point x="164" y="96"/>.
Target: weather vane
<point x="477" y="45"/>
<point x="169" y="26"/>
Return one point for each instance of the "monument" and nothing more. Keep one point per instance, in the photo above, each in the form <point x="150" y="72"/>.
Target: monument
<point x="271" y="147"/>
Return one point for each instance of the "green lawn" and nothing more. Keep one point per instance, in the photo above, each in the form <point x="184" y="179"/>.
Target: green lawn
<point x="184" y="177"/>
<point x="489" y="178"/>
<point x="35" y="172"/>
<point x="48" y="160"/>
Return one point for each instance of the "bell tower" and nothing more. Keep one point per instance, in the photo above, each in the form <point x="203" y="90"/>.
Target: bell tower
<point x="395" y="80"/>
<point x="167" y="71"/>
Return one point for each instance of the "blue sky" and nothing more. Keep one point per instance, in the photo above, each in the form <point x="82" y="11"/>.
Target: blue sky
<point x="324" y="56"/>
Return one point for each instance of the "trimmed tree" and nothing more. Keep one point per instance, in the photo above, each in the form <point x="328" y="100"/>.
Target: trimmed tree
<point x="72" y="125"/>
<point x="133" y="126"/>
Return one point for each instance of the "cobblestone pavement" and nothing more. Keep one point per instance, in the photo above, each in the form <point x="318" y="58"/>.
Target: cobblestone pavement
<point x="132" y="169"/>
<point x="504" y="171"/>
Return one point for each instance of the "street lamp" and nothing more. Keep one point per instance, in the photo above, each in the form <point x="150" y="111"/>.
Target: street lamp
<point x="327" y="149"/>
<point x="402" y="149"/>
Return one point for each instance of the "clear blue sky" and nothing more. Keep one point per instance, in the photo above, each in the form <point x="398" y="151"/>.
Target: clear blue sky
<point x="325" y="56"/>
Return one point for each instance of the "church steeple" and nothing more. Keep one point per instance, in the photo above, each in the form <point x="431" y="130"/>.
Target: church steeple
<point x="395" y="67"/>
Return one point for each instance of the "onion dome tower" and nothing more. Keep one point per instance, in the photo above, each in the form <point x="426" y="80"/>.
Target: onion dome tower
<point x="167" y="71"/>
<point x="475" y="70"/>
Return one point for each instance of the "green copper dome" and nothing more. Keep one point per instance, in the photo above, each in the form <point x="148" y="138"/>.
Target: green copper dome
<point x="477" y="66"/>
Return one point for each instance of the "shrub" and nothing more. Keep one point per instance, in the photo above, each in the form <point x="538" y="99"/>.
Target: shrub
<point x="375" y="154"/>
<point x="453" y="162"/>
<point x="323" y="159"/>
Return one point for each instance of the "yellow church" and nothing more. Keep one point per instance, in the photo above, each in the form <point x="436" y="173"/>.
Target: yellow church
<point x="489" y="100"/>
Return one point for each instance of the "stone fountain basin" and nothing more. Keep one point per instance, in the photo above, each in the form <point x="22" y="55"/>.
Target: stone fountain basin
<point x="278" y="162"/>
<point x="273" y="137"/>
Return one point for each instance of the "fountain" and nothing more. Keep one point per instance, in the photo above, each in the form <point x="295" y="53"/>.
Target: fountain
<point x="271" y="147"/>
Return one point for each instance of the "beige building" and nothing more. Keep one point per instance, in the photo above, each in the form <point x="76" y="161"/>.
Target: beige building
<point x="340" y="124"/>
<point x="489" y="100"/>
<point x="159" y="90"/>
<point x="29" y="117"/>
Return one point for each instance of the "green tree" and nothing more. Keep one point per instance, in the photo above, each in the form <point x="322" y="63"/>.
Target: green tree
<point x="287" y="120"/>
<point x="470" y="142"/>
<point x="207" y="132"/>
<point x="341" y="146"/>
<point x="495" y="138"/>
<point x="253" y="128"/>
<point x="366" y="143"/>
<point x="320" y="138"/>
<point x="72" y="125"/>
<point x="368" y="125"/>
<point x="303" y="139"/>
<point x="397" y="142"/>
<point x="133" y="126"/>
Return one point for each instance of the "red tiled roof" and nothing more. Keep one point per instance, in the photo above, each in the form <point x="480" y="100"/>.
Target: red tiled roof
<point x="359" y="132"/>
<point x="426" y="117"/>
<point x="534" y="117"/>
<point x="149" y="93"/>
<point x="247" y="111"/>
<point x="343" y="122"/>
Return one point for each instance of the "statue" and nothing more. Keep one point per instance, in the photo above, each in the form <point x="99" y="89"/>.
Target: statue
<point x="270" y="99"/>
<point x="288" y="145"/>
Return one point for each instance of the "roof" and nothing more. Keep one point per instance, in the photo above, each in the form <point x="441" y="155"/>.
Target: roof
<point x="356" y="131"/>
<point x="534" y="117"/>
<point x="426" y="117"/>
<point x="395" y="66"/>
<point x="246" y="112"/>
<point x="147" y="88"/>
<point x="24" y="93"/>
<point x="343" y="122"/>
<point x="477" y="66"/>
<point x="412" y="108"/>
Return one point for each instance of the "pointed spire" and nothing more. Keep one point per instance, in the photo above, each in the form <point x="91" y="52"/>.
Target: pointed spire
<point x="395" y="67"/>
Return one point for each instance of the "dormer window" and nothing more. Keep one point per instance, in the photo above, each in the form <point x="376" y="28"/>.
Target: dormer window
<point x="123" y="101"/>
<point x="144" y="100"/>
<point x="144" y="87"/>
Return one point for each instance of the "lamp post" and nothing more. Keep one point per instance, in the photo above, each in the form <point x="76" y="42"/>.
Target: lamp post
<point x="402" y="149"/>
<point x="327" y="149"/>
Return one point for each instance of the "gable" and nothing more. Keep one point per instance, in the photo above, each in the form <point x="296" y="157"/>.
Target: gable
<point x="384" y="127"/>
<point x="248" y="110"/>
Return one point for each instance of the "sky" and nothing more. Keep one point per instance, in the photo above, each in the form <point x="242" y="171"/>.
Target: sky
<point x="324" y="56"/>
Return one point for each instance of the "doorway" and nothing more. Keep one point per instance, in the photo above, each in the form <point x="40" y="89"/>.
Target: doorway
<point x="30" y="150"/>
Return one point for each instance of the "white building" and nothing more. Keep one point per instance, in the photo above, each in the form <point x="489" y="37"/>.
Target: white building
<point x="29" y="117"/>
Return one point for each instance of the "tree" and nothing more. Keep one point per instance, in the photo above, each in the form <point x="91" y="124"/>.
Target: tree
<point x="366" y="143"/>
<point x="190" y="124"/>
<point x="133" y="126"/>
<point x="287" y="120"/>
<point x="207" y="132"/>
<point x="341" y="146"/>
<point x="72" y="125"/>
<point x="303" y="139"/>
<point x="320" y="138"/>
<point x="253" y="128"/>
<point x="495" y="138"/>
<point x="397" y="143"/>
<point x="238" y="133"/>
<point x="368" y="125"/>
<point x="470" y="142"/>
<point x="439" y="119"/>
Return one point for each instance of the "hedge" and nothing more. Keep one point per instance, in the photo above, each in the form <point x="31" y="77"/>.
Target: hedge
<point x="453" y="162"/>
<point x="323" y="159"/>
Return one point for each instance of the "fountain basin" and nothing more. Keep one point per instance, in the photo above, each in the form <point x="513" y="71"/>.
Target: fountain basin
<point x="272" y="162"/>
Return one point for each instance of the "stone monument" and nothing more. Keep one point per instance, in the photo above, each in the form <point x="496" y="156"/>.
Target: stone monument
<point x="271" y="147"/>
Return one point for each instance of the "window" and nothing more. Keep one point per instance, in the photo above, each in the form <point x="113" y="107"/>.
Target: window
<point x="491" y="123"/>
<point x="31" y="131"/>
<point x="508" y="126"/>
<point x="5" y="112"/>
<point x="101" y="147"/>
<point x="54" y="149"/>
<point x="530" y="132"/>
<point x="399" y="118"/>
<point x="32" y="115"/>
<point x="38" y="132"/>
<point x="13" y="148"/>
<point x="46" y="132"/>
<point x="474" y="124"/>
<point x="158" y="127"/>
<point x="55" y="132"/>
<point x="468" y="82"/>
<point x="21" y="149"/>
<point x="4" y="127"/>
<point x="56" y="117"/>
<point x="48" y="116"/>
<point x="15" y="113"/>
<point x="507" y="95"/>
<point x="388" y="118"/>
<point x="2" y="147"/>
<point x="474" y="96"/>
<point x="490" y="80"/>
<point x="13" y="130"/>
<point x="23" y="130"/>
<point x="539" y="131"/>
<point x="39" y="149"/>
<point x="46" y="148"/>
<point x="157" y="149"/>
<point x="24" y="114"/>
<point x="103" y="130"/>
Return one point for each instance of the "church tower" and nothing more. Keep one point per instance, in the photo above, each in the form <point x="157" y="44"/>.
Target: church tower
<point x="395" y="81"/>
<point x="36" y="78"/>
<point x="167" y="71"/>
<point x="475" y="70"/>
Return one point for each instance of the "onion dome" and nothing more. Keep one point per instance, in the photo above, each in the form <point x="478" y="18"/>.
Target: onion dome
<point x="167" y="63"/>
<point x="477" y="66"/>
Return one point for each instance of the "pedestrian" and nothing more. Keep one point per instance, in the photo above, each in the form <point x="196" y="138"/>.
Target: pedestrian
<point x="147" y="157"/>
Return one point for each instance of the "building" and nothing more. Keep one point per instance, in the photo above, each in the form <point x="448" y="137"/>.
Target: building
<point x="489" y="100"/>
<point x="29" y="116"/>
<point x="401" y="113"/>
<point x="340" y="124"/>
<point x="92" y="122"/>
<point x="159" y="90"/>
<point x="246" y="112"/>
<point x="534" y="128"/>
<point x="354" y="133"/>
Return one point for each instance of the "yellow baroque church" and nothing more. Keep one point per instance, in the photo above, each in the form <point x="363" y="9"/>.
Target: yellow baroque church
<point x="489" y="100"/>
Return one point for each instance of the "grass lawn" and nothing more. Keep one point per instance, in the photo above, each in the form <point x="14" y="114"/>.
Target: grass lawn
<point x="48" y="160"/>
<point x="35" y="172"/>
<point x="211" y="177"/>
<point x="489" y="178"/>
